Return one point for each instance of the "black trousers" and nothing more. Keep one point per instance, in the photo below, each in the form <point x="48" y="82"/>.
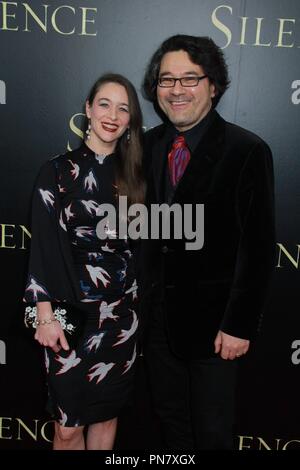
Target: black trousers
<point x="194" y="399"/>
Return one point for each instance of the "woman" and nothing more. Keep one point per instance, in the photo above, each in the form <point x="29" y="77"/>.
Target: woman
<point x="91" y="380"/>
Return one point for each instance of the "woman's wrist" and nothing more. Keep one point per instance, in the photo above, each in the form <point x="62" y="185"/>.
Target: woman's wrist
<point x="45" y="321"/>
<point x="44" y="313"/>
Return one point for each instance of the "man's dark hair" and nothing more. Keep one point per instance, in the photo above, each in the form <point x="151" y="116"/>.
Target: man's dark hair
<point x="202" y="51"/>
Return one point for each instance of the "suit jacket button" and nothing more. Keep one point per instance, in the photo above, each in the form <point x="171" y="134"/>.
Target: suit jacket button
<point x="164" y="249"/>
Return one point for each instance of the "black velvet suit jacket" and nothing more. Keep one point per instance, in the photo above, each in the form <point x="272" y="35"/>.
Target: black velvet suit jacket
<point x="222" y="286"/>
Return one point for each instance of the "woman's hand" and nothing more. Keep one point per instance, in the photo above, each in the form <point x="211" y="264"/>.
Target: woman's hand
<point x="49" y="334"/>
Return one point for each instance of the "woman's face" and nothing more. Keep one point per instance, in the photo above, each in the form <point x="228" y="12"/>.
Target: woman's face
<point x="109" y="115"/>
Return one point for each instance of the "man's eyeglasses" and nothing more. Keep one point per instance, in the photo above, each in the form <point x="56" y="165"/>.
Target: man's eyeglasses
<point x="170" y="82"/>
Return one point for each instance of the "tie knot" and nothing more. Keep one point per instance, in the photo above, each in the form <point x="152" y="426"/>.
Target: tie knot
<point x="179" y="142"/>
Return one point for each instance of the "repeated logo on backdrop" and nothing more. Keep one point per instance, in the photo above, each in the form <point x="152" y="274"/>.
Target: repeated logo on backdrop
<point x="22" y="17"/>
<point x="14" y="236"/>
<point x="255" y="31"/>
<point x="39" y="430"/>
<point x="18" y="429"/>
<point x="17" y="236"/>
<point x="260" y="443"/>
<point x="253" y="34"/>
<point x="288" y="257"/>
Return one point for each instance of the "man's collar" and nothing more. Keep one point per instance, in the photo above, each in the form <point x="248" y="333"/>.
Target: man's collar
<point x="193" y="135"/>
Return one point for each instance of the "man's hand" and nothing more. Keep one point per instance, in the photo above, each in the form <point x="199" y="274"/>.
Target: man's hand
<point x="229" y="346"/>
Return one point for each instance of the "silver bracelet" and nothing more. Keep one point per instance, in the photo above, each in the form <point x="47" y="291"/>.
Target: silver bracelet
<point x="48" y="321"/>
<point x="60" y="314"/>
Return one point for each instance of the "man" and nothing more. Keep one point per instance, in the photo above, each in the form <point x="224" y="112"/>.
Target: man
<point x="206" y="304"/>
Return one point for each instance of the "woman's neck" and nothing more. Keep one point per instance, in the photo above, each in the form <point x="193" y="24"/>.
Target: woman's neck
<point x="99" y="148"/>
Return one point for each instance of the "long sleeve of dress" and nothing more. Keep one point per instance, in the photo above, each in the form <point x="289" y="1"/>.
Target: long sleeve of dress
<point x="51" y="275"/>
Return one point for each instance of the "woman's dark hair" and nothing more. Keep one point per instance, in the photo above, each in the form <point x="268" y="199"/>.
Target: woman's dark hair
<point x="129" y="175"/>
<point x="202" y="51"/>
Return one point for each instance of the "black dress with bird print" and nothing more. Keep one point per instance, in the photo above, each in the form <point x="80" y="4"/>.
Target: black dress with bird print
<point x="92" y="381"/>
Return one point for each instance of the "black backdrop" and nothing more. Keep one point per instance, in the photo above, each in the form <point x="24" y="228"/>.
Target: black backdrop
<point x="49" y="57"/>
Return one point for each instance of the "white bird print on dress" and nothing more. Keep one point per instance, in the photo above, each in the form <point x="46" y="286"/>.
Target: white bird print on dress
<point x="96" y="273"/>
<point x="91" y="206"/>
<point x="68" y="212"/>
<point x="47" y="362"/>
<point x="111" y="233"/>
<point x="132" y="289"/>
<point x="91" y="299"/>
<point x="107" y="249"/>
<point x="83" y="232"/>
<point x="75" y="171"/>
<point x="61" y="189"/>
<point x="106" y="311"/>
<point x="95" y="255"/>
<point x="94" y="341"/>
<point x="125" y="334"/>
<point x="47" y="198"/>
<point x="63" y="417"/>
<point x="67" y="362"/>
<point x="128" y="252"/>
<point x="90" y="182"/>
<point x="101" y="369"/>
<point x="61" y="222"/>
<point x="129" y="363"/>
<point x="36" y="288"/>
<point x="122" y="274"/>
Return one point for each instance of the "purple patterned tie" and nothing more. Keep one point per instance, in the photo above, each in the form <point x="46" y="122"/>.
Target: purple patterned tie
<point x="178" y="158"/>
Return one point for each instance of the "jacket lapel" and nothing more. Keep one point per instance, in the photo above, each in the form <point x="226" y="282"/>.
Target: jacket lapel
<point x="159" y="159"/>
<point x="198" y="170"/>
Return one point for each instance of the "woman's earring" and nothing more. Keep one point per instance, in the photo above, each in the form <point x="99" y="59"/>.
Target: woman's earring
<point x="88" y="131"/>
<point x="128" y="135"/>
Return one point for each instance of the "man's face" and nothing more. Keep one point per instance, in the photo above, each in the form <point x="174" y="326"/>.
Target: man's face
<point x="184" y="106"/>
